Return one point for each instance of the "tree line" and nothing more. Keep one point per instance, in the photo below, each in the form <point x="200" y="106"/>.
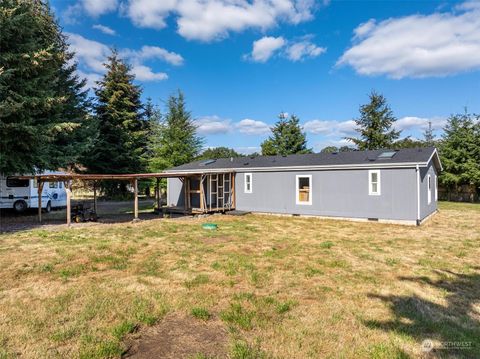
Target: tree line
<point x="48" y="120"/>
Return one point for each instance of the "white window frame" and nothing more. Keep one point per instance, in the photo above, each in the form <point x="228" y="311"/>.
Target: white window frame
<point x="297" y="190"/>
<point x="429" y="188"/>
<point x="379" y="183"/>
<point x="245" y="176"/>
<point x="436" y="188"/>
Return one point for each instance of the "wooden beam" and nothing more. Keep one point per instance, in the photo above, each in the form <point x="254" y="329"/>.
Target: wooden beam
<point x="233" y="191"/>
<point x="201" y="193"/>
<point x="39" y="191"/>
<point x="185" y="195"/>
<point x="68" y="189"/>
<point x="95" y="196"/>
<point x="135" y="199"/>
<point x="158" y="194"/>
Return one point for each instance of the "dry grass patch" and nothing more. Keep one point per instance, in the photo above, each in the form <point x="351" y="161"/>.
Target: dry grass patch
<point x="274" y="286"/>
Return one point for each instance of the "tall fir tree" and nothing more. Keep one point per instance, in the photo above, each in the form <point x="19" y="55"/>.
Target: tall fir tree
<point x="429" y="135"/>
<point x="375" y="125"/>
<point x="43" y="103"/>
<point x="460" y="151"/>
<point x="153" y="128"/>
<point x="179" y="142"/>
<point x="287" y="138"/>
<point x="121" y="137"/>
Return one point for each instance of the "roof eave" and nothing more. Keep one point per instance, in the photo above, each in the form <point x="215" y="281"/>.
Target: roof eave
<point x="321" y="167"/>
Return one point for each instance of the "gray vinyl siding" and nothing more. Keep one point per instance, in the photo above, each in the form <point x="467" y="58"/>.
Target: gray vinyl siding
<point x="337" y="193"/>
<point x="340" y="193"/>
<point x="425" y="208"/>
<point x="175" y="196"/>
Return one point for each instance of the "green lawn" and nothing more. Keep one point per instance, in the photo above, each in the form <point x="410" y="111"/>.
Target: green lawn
<point x="283" y="287"/>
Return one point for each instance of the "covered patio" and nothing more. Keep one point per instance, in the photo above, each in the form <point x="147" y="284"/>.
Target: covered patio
<point x="203" y="192"/>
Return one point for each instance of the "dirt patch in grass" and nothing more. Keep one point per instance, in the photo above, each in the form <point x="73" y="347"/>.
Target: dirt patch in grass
<point x="178" y="336"/>
<point x="216" y="240"/>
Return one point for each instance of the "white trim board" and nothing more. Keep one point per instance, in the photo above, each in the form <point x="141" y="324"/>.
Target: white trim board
<point x="297" y="190"/>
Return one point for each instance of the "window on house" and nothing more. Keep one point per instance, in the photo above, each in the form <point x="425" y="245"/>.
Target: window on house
<point x="429" y="184"/>
<point x="248" y="183"/>
<point x="374" y="182"/>
<point x="60" y="185"/>
<point x="304" y="189"/>
<point x="436" y="188"/>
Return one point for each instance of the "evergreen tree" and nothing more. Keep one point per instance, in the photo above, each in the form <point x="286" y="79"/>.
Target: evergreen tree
<point x="408" y="142"/>
<point x="218" y="152"/>
<point x="329" y="149"/>
<point x="460" y="151"/>
<point x="429" y="136"/>
<point x="345" y="149"/>
<point x="42" y="101"/>
<point x="179" y="142"/>
<point x="121" y="139"/>
<point x="375" y="125"/>
<point x="153" y="127"/>
<point x="287" y="138"/>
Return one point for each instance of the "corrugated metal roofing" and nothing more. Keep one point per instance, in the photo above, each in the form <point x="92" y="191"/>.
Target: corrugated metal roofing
<point x="365" y="158"/>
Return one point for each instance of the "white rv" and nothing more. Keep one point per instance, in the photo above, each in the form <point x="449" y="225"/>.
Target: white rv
<point x="21" y="194"/>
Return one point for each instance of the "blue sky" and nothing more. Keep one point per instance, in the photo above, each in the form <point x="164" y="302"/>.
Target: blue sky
<point x="240" y="63"/>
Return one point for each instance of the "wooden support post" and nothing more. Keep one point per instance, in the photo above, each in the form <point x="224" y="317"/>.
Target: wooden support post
<point x="39" y="191"/>
<point x="135" y="203"/>
<point x="202" y="194"/>
<point x="95" y="196"/>
<point x="68" y="189"/>
<point x="233" y="191"/>
<point x="158" y="195"/>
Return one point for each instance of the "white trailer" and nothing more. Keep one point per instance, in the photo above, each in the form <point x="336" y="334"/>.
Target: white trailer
<point x="21" y="194"/>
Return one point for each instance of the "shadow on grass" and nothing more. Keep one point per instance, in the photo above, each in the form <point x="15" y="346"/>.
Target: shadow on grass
<point x="456" y="325"/>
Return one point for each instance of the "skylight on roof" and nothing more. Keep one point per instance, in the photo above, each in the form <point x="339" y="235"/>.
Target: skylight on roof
<point x="386" y="155"/>
<point x="207" y="162"/>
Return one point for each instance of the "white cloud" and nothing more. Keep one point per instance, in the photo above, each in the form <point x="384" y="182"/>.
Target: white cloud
<point x="412" y="122"/>
<point x="330" y="128"/>
<point x="207" y="20"/>
<point x="89" y="53"/>
<point x="153" y="52"/>
<point x="268" y="46"/>
<point x="419" y="46"/>
<point x="364" y="29"/>
<point x="303" y="49"/>
<point x="96" y="7"/>
<point x="210" y="125"/>
<point x="104" y="29"/>
<point x="149" y="13"/>
<point x="252" y="127"/>
<point x="264" y="48"/>
<point x="145" y="73"/>
<point x="93" y="8"/>
<point x="92" y="54"/>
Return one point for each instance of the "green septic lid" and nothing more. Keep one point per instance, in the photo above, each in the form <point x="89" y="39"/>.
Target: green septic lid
<point x="209" y="226"/>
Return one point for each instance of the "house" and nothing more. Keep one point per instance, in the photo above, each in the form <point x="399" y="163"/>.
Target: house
<point x="381" y="185"/>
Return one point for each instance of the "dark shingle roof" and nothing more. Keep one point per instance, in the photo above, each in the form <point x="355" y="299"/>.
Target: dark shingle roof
<point x="408" y="155"/>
